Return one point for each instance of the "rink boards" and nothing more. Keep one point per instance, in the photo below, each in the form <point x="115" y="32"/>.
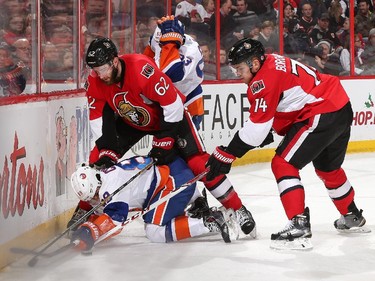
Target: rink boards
<point x="43" y="139"/>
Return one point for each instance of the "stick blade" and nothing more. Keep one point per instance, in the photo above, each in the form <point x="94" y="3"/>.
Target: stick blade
<point x="33" y="261"/>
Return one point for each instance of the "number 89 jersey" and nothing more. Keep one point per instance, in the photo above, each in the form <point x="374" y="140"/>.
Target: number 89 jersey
<point x="285" y="91"/>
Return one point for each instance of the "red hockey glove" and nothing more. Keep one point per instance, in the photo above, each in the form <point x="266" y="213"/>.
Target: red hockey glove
<point x="220" y="162"/>
<point x="162" y="150"/>
<point x="107" y="158"/>
<point x="172" y="31"/>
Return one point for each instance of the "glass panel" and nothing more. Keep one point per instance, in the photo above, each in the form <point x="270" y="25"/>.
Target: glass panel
<point x="364" y="39"/>
<point x="122" y="19"/>
<point x="59" y="44"/>
<point x="18" y="44"/>
<point x="94" y="23"/>
<point x="199" y="23"/>
<point x="148" y="12"/>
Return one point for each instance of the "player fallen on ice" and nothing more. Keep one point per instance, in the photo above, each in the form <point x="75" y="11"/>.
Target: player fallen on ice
<point x="130" y="98"/>
<point x="166" y="223"/>
<point x="313" y="113"/>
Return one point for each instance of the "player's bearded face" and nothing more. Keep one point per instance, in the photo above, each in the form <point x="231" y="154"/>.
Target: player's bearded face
<point x="108" y="73"/>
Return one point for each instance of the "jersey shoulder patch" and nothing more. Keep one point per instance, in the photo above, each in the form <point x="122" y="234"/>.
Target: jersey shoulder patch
<point x="257" y="86"/>
<point x="147" y="70"/>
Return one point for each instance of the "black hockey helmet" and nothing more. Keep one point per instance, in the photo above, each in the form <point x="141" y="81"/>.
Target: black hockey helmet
<point x="100" y="51"/>
<point x="245" y="49"/>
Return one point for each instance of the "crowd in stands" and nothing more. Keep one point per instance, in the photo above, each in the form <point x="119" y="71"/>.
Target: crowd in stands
<point x="315" y="32"/>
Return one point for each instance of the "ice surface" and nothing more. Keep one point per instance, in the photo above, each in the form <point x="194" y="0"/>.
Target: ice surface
<point x="130" y="256"/>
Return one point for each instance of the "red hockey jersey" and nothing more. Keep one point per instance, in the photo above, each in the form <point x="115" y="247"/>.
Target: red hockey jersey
<point x="285" y="91"/>
<point x="144" y="97"/>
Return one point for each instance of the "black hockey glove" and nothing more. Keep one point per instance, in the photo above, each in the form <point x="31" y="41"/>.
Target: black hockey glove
<point x="163" y="150"/>
<point x="269" y="139"/>
<point x="107" y="158"/>
<point x="172" y="31"/>
<point x="220" y="162"/>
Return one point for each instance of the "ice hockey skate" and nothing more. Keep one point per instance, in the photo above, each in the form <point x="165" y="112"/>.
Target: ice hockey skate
<point x="246" y="222"/>
<point x="296" y="235"/>
<point x="223" y="221"/>
<point x="352" y="222"/>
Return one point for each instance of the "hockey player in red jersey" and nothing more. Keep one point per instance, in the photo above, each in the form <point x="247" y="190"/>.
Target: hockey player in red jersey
<point x="134" y="98"/>
<point x="168" y="222"/>
<point x="313" y="113"/>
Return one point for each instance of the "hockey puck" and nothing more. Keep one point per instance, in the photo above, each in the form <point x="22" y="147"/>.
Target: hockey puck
<point x="86" y="253"/>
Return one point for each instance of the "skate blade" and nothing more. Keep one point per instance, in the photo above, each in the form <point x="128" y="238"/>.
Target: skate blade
<point x="301" y="244"/>
<point x="233" y="227"/>
<point x="361" y="229"/>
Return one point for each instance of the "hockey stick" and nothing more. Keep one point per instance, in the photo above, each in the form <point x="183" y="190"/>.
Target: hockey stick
<point x="153" y="206"/>
<point x="34" y="259"/>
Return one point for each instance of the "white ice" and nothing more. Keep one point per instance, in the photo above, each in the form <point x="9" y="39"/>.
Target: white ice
<point x="130" y="256"/>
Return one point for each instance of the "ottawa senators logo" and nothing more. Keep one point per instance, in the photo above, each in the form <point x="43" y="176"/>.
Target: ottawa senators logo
<point x="134" y="114"/>
<point x="257" y="86"/>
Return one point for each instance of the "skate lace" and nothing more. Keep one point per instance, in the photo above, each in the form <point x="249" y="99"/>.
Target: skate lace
<point x="242" y="216"/>
<point x="289" y="226"/>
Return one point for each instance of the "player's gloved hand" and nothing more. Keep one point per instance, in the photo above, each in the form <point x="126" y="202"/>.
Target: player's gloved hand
<point x="269" y="139"/>
<point x="86" y="235"/>
<point x="220" y="162"/>
<point x="172" y="31"/>
<point x="107" y="158"/>
<point x="162" y="150"/>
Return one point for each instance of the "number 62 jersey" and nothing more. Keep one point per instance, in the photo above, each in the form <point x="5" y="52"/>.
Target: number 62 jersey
<point x="144" y="96"/>
<point x="284" y="92"/>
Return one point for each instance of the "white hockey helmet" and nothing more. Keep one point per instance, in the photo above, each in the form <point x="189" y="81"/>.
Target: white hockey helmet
<point x="85" y="182"/>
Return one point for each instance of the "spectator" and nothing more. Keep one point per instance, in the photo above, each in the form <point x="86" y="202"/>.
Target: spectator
<point x="12" y="81"/>
<point x="365" y="19"/>
<point x="343" y="32"/>
<point x="66" y="71"/>
<point x="336" y="20"/>
<point x="189" y="11"/>
<point x="14" y="7"/>
<point x="321" y="31"/>
<point x="317" y="6"/>
<point x="23" y="56"/>
<point x="226" y="71"/>
<point x="14" y="29"/>
<point x="369" y="54"/>
<point x="324" y="59"/>
<point x="51" y="61"/>
<point x="345" y="58"/>
<point x="192" y="15"/>
<point x="209" y="8"/>
<point x="306" y="20"/>
<point x="227" y="24"/>
<point x="244" y="19"/>
<point x="268" y="38"/>
<point x="264" y="9"/>
<point x="254" y="32"/>
<point x="209" y="69"/>
<point x="149" y="8"/>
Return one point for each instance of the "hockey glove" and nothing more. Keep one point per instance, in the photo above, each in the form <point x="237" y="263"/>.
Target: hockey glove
<point x="162" y="150"/>
<point x="87" y="234"/>
<point x="220" y="162"/>
<point x="107" y="158"/>
<point x="269" y="139"/>
<point x="172" y="31"/>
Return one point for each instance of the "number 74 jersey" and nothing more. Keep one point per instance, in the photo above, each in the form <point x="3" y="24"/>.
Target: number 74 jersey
<point x="285" y="91"/>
